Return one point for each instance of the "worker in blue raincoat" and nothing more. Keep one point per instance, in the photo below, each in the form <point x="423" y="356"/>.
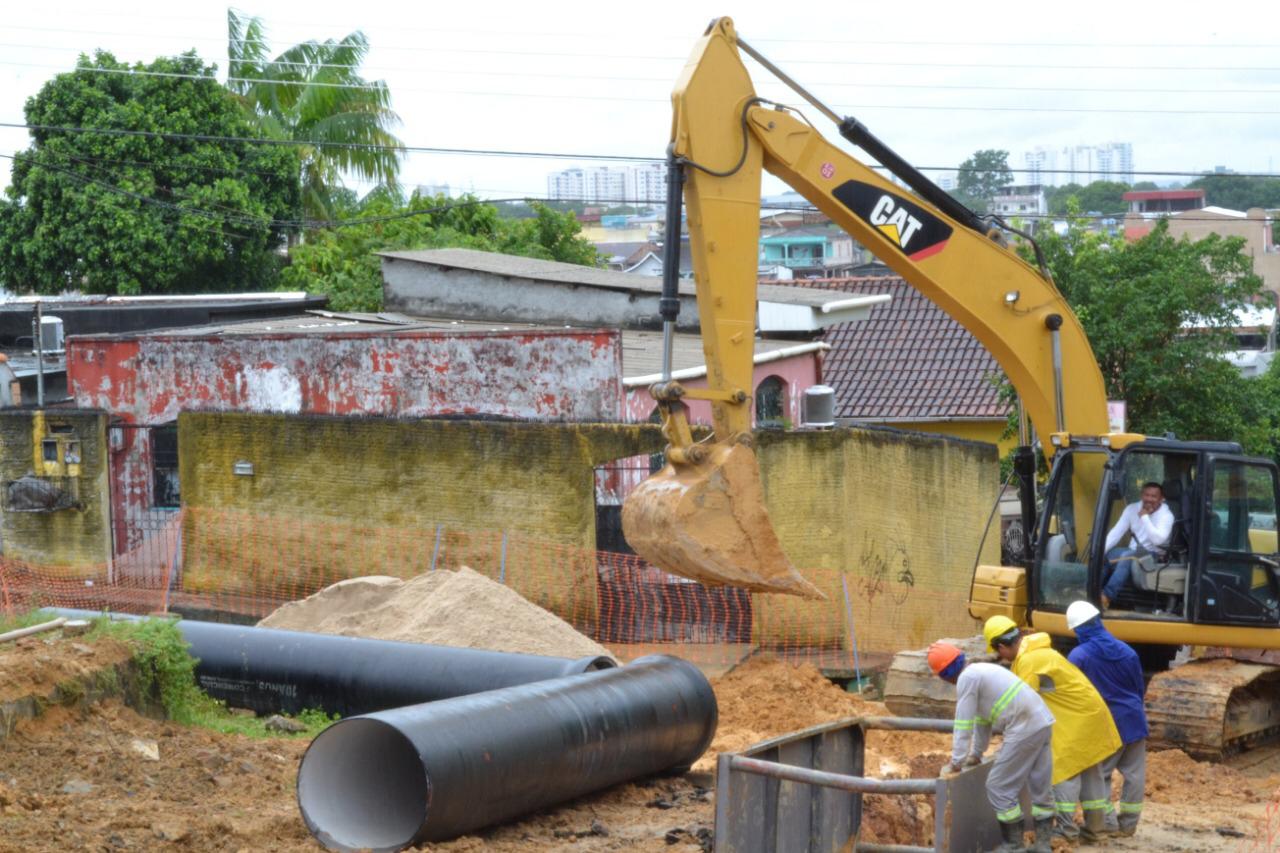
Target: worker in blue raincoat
<point x="1115" y="670"/>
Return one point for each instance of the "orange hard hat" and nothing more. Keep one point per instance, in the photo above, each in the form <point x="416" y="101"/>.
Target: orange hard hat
<point x="941" y="656"/>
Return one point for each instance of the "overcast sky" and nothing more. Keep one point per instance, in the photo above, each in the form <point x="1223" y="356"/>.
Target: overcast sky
<point x="1190" y="86"/>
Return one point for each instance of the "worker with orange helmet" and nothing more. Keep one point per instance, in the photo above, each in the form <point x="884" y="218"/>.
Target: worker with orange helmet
<point x="990" y="698"/>
<point x="1083" y="733"/>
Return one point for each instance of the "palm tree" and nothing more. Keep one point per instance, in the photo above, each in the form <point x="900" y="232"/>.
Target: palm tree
<point x="312" y="93"/>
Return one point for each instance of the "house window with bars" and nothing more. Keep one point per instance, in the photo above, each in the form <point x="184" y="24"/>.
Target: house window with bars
<point x="771" y="403"/>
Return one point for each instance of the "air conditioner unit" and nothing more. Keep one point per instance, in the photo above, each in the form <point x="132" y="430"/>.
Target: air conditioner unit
<point x="51" y="334"/>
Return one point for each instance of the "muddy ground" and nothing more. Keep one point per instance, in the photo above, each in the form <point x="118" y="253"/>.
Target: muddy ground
<point x="103" y="778"/>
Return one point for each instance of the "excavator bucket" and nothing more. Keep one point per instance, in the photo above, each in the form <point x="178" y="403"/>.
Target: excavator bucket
<point x="706" y="521"/>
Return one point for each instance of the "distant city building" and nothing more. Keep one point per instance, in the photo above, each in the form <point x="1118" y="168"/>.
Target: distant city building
<point x="433" y="190"/>
<point x="947" y="181"/>
<point x="1163" y="202"/>
<point x="1021" y="200"/>
<point x="644" y="184"/>
<point x="1079" y="164"/>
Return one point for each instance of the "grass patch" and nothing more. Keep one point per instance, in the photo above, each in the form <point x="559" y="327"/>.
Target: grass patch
<point x="14" y="621"/>
<point x="166" y="672"/>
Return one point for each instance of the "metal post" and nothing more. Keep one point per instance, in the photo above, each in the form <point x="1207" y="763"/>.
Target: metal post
<point x="435" y="552"/>
<point x="39" y="342"/>
<point x="853" y="639"/>
<point x="502" y="566"/>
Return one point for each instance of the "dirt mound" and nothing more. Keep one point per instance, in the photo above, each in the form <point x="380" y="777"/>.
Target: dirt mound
<point x="1175" y="777"/>
<point x="450" y="608"/>
<point x="75" y="780"/>
<point x="765" y="697"/>
<point x="34" y="666"/>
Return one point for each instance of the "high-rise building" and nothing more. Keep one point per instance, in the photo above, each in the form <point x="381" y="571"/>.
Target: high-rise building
<point x="610" y="184"/>
<point x="1079" y="164"/>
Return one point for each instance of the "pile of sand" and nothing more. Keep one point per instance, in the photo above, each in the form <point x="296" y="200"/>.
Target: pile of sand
<point x="449" y="608"/>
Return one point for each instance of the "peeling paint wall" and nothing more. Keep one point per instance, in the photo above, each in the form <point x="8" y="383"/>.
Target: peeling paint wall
<point x="546" y="375"/>
<point x="571" y="375"/>
<point x="73" y="541"/>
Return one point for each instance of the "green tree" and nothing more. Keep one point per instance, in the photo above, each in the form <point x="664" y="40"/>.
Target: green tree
<point x="132" y="214"/>
<point x="1138" y="302"/>
<point x="1239" y="192"/>
<point x="313" y="94"/>
<point x="1100" y="196"/>
<point x="981" y="177"/>
<point x="341" y="261"/>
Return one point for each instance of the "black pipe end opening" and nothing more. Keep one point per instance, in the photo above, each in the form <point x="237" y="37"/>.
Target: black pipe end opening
<point x="362" y="787"/>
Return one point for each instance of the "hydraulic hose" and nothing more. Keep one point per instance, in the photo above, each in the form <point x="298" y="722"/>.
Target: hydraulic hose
<point x="392" y="779"/>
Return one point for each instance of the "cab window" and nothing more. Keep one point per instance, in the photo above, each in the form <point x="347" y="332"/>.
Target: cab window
<point x="1240" y="580"/>
<point x="1067" y="532"/>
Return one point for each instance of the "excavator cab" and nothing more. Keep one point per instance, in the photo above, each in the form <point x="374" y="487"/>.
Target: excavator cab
<point x="1219" y="563"/>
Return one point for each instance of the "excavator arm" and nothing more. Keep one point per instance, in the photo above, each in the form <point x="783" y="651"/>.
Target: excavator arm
<point x="703" y="515"/>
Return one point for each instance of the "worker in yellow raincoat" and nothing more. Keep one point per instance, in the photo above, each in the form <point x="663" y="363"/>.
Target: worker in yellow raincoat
<point x="1083" y="732"/>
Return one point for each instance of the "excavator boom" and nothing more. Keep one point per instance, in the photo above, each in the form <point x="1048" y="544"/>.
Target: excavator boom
<point x="702" y="516"/>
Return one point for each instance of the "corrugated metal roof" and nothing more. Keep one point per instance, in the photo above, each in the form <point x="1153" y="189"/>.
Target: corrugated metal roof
<point x="556" y="273"/>
<point x="908" y="361"/>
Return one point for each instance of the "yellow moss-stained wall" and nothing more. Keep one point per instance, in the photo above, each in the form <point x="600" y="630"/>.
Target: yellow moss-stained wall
<point x="987" y="431"/>
<point x="335" y="497"/>
<point x="73" y="541"/>
<point x="897" y="515"/>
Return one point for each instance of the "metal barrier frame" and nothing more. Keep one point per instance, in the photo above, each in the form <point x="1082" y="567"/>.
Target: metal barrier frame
<point x="802" y="793"/>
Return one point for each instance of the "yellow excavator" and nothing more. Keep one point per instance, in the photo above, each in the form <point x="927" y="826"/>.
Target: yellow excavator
<point x="703" y="517"/>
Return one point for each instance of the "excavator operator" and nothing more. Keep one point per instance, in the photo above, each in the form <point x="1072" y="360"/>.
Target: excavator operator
<point x="1150" y="523"/>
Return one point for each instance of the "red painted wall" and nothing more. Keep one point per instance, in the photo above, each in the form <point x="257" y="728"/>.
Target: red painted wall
<point x="572" y="375"/>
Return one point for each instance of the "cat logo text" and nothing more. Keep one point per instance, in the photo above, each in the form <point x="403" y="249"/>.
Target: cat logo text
<point x="896" y="224"/>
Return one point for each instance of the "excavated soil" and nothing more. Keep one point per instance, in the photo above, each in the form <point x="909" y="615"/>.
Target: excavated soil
<point x="78" y="780"/>
<point x="451" y="608"/>
<point x="764" y="698"/>
<point x="82" y="780"/>
<point x="35" y="666"/>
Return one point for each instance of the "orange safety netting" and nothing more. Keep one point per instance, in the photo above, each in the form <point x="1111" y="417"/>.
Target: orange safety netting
<point x="234" y="565"/>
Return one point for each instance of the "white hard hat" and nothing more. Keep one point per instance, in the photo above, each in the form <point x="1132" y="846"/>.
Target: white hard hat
<point x="1080" y="612"/>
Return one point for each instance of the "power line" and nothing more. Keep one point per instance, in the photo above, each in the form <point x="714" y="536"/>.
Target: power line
<point x="475" y="72"/>
<point x="579" y="156"/>
<point x="848" y="108"/>
<point x="356" y="146"/>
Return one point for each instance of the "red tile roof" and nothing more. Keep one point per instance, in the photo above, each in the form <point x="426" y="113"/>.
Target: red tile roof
<point x="1162" y="195"/>
<point x="908" y="361"/>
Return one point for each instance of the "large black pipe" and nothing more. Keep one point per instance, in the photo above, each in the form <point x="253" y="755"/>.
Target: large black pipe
<point x="388" y="780"/>
<point x="272" y="671"/>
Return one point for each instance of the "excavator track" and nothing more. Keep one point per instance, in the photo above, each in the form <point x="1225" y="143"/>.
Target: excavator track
<point x="1213" y="709"/>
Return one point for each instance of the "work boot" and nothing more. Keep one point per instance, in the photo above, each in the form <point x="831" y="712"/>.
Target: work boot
<point x="1095" y="826"/>
<point x="1011" y="833"/>
<point x="1044" y="832"/>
